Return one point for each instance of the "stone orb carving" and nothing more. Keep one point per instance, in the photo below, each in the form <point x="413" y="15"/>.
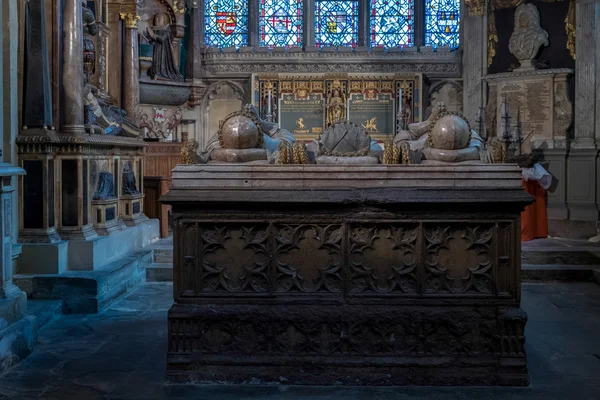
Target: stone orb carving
<point x="450" y="132"/>
<point x="240" y="132"/>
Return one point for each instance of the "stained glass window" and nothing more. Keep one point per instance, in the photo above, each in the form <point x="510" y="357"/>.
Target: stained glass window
<point x="226" y="23"/>
<point x="392" y="23"/>
<point x="336" y="23"/>
<point x="442" y="22"/>
<point x="280" y="23"/>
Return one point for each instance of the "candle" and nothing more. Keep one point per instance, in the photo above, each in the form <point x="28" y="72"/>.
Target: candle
<point x="503" y="109"/>
<point x="269" y="102"/>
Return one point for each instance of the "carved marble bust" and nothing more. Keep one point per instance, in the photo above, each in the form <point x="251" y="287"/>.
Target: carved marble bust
<point x="528" y="36"/>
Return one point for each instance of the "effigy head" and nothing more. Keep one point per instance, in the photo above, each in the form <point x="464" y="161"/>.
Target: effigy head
<point x="450" y="131"/>
<point x="239" y="132"/>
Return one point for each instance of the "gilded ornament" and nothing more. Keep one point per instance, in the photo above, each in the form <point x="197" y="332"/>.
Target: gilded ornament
<point x="131" y="20"/>
<point x="391" y="152"/>
<point x="283" y="156"/>
<point x="299" y="153"/>
<point x="188" y="152"/>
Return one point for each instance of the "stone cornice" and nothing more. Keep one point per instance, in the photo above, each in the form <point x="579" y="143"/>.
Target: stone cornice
<point x="246" y="61"/>
<point x="97" y="140"/>
<point x="539" y="72"/>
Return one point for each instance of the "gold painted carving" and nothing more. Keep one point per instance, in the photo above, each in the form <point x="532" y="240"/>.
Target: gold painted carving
<point x="283" y="156"/>
<point x="299" y="153"/>
<point x="391" y="152"/>
<point x="570" y="28"/>
<point x="131" y="20"/>
<point x="188" y="152"/>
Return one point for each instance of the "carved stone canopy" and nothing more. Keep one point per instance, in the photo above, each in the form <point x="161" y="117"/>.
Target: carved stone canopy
<point x="528" y="36"/>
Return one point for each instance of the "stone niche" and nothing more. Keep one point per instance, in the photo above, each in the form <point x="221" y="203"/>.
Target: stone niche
<point x="358" y="275"/>
<point x="537" y="101"/>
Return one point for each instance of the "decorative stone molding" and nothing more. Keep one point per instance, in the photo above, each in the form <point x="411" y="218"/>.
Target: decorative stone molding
<point x="440" y="63"/>
<point x="131" y="20"/>
<point x="475" y="7"/>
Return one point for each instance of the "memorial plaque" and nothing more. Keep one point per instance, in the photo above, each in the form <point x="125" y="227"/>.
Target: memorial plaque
<point x="529" y="102"/>
<point x="372" y="111"/>
<point x="304" y="117"/>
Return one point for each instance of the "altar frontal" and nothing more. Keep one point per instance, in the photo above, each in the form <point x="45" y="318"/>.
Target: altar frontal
<point x="306" y="104"/>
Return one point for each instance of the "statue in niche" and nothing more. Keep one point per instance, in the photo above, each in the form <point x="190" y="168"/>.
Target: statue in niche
<point x="528" y="36"/>
<point x="105" y="189"/>
<point x="163" y="62"/>
<point x="336" y="104"/>
<point x="129" y="186"/>
<point x="89" y="49"/>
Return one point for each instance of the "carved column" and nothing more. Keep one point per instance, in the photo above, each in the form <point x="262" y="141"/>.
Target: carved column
<point x="195" y="46"/>
<point x="582" y="168"/>
<point x="72" y="83"/>
<point x="474" y="57"/>
<point x="131" y="66"/>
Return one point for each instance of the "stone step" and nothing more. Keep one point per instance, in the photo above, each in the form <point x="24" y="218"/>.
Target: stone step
<point x="45" y="310"/>
<point x="89" y="292"/>
<point x="163" y="255"/>
<point x="159" y="272"/>
<point x="557" y="272"/>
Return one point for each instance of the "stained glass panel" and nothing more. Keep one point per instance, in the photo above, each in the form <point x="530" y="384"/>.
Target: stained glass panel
<point x="392" y="23"/>
<point x="442" y="23"/>
<point x="336" y="23"/>
<point x="226" y="23"/>
<point x="280" y="23"/>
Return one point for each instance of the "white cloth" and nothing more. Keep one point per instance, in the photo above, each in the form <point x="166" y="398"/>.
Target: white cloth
<point x="539" y="174"/>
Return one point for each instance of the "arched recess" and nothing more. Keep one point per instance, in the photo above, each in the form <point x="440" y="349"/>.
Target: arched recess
<point x="220" y="99"/>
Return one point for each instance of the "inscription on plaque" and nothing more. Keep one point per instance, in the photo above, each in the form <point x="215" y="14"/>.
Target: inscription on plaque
<point x="304" y="117"/>
<point x="374" y="112"/>
<point x="529" y="102"/>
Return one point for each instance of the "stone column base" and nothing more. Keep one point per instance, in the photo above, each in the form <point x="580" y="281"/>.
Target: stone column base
<point x="105" y="214"/>
<point x="131" y="209"/>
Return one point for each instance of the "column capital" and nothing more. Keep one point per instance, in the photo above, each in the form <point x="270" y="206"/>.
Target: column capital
<point x="475" y="7"/>
<point x="131" y="20"/>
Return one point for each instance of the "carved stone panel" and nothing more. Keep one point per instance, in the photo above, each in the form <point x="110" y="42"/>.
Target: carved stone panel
<point x="234" y="258"/>
<point x="459" y="259"/>
<point x="383" y="258"/>
<point x="308" y="258"/>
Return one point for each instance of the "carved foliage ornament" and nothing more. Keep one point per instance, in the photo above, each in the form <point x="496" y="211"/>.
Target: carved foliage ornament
<point x="475" y="7"/>
<point x="309" y="258"/>
<point x="235" y="259"/>
<point x="459" y="259"/>
<point x="130" y="19"/>
<point x="383" y="258"/>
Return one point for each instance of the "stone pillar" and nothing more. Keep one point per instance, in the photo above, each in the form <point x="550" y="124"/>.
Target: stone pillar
<point x="72" y="83"/>
<point x="195" y="47"/>
<point x="474" y="43"/>
<point x="131" y="66"/>
<point x="582" y="168"/>
<point x="309" y="25"/>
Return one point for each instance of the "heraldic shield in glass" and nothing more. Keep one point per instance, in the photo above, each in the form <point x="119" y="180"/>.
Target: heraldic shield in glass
<point x="280" y="23"/>
<point x="392" y="23"/>
<point x="226" y="23"/>
<point x="442" y="22"/>
<point x="336" y="23"/>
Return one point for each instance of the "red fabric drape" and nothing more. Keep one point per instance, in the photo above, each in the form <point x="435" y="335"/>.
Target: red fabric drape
<point x="534" y="220"/>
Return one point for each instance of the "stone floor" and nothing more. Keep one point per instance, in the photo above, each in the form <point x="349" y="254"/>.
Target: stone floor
<point x="120" y="354"/>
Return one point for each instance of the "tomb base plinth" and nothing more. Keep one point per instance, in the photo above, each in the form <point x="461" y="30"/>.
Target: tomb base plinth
<point x="354" y="275"/>
<point x="105" y="214"/>
<point x="131" y="206"/>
